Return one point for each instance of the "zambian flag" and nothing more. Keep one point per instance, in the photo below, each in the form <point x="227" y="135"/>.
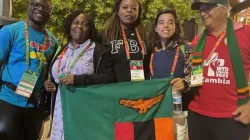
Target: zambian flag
<point x="122" y="111"/>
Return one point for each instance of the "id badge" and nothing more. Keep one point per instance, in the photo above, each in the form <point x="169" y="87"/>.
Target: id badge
<point x="27" y="83"/>
<point x="136" y="70"/>
<point x="197" y="76"/>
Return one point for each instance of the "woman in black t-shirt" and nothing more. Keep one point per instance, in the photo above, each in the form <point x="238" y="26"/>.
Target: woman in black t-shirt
<point x="125" y="38"/>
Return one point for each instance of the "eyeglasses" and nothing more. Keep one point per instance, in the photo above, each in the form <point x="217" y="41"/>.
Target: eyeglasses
<point x="39" y="5"/>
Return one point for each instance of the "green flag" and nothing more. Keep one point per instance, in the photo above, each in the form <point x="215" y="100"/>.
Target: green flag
<point x="121" y="111"/>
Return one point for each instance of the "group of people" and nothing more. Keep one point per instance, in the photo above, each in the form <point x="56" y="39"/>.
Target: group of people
<point x="213" y="69"/>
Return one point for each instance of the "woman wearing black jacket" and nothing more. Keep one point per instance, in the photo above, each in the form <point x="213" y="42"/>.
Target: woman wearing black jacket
<point x="125" y="38"/>
<point x="81" y="62"/>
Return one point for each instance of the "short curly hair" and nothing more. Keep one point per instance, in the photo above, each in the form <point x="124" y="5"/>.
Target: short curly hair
<point x="69" y="20"/>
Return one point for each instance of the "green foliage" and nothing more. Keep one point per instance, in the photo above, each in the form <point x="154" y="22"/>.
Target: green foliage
<point x="101" y="9"/>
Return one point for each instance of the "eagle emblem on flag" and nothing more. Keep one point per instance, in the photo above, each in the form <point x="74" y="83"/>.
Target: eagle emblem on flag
<point x="141" y="105"/>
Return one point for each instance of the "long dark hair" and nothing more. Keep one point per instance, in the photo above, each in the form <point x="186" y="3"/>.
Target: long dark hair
<point x="154" y="39"/>
<point x="70" y="18"/>
<point x="113" y="27"/>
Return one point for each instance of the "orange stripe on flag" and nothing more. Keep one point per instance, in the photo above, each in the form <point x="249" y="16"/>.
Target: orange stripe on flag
<point x="196" y="60"/>
<point x="164" y="129"/>
<point x="242" y="90"/>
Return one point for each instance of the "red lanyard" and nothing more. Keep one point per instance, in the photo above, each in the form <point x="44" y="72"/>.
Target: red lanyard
<point x="75" y="61"/>
<point x="216" y="45"/>
<point x="174" y="63"/>
<point x="127" y="46"/>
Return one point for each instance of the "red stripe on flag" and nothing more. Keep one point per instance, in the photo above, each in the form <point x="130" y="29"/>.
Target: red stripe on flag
<point x="197" y="53"/>
<point x="124" y="131"/>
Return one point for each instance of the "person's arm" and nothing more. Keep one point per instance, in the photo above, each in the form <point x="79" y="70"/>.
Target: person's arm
<point x="242" y="113"/>
<point x="188" y="63"/>
<point x="50" y="83"/>
<point x="146" y="62"/>
<point x="6" y="41"/>
<point x="188" y="67"/>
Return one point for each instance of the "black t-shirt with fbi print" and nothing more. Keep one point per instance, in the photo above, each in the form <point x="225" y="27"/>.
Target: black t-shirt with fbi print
<point x="119" y="57"/>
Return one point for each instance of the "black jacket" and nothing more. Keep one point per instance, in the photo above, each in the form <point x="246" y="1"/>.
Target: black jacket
<point x="122" y="75"/>
<point x="103" y="68"/>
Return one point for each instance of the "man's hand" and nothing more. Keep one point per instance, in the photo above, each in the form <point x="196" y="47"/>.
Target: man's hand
<point x="178" y="84"/>
<point x="242" y="113"/>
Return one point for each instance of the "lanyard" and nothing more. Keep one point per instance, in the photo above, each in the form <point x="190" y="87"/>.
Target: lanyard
<point x="216" y="45"/>
<point x="75" y="61"/>
<point x="174" y="63"/>
<point x="127" y="46"/>
<point x="46" y="44"/>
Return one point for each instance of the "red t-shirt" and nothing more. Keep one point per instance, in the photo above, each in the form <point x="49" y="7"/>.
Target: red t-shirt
<point x="218" y="97"/>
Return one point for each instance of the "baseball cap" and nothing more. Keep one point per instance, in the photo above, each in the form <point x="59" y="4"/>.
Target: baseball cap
<point x="197" y="3"/>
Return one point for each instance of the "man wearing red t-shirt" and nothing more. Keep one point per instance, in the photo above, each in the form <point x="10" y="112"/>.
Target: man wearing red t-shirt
<point x="221" y="60"/>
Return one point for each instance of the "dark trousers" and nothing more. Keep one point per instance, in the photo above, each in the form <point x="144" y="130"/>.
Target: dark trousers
<point x="206" y="128"/>
<point x="17" y="123"/>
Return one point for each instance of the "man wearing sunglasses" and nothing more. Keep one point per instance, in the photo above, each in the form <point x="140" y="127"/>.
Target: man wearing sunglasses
<point x="26" y="49"/>
<point x="221" y="60"/>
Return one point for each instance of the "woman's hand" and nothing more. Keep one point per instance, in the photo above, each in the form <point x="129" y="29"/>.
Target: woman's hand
<point x="49" y="86"/>
<point x="67" y="80"/>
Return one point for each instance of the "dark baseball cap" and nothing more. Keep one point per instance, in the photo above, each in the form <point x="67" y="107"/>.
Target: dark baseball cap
<point x="197" y="3"/>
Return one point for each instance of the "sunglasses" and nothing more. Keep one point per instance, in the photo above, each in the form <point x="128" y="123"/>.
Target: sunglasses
<point x="39" y="5"/>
